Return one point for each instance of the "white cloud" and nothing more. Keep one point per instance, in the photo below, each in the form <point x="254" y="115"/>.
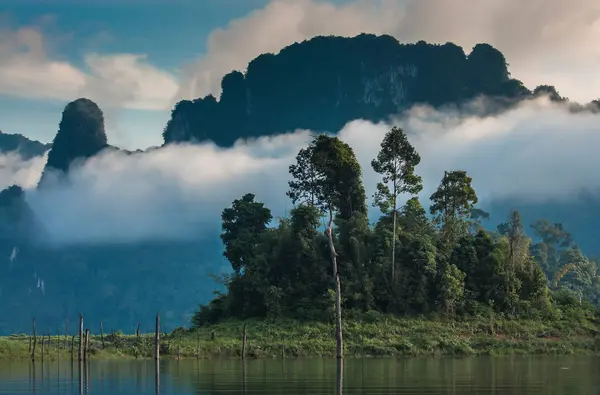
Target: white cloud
<point x="535" y="152"/>
<point x="545" y="41"/>
<point x="16" y="171"/>
<point x="113" y="80"/>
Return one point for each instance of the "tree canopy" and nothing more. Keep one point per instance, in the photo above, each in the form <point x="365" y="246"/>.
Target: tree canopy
<point x="446" y="263"/>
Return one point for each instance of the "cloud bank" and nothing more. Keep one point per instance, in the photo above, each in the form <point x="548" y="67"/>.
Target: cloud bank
<point x="535" y="152"/>
<point x="28" y="69"/>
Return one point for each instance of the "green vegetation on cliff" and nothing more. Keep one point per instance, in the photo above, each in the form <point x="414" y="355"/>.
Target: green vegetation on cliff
<point x="323" y="83"/>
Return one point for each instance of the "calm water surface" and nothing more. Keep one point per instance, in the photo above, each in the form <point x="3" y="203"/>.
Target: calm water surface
<point x="484" y="375"/>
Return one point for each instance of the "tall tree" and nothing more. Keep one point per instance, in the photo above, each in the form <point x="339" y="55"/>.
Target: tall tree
<point x="334" y="185"/>
<point x="396" y="162"/>
<point x="243" y="224"/>
<point x="452" y="203"/>
<point x="515" y="234"/>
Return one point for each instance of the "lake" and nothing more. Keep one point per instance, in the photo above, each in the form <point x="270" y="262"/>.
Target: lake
<point x="557" y="375"/>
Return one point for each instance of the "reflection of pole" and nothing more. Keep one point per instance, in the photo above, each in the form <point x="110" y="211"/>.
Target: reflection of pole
<point x="87" y="375"/>
<point x="244" y="376"/>
<point x="157" y="376"/>
<point x="340" y="376"/>
<point x="33" y="381"/>
<point x="79" y="378"/>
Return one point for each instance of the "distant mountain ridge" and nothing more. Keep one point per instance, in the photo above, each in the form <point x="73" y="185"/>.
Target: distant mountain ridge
<point x="19" y="144"/>
<point x="325" y="82"/>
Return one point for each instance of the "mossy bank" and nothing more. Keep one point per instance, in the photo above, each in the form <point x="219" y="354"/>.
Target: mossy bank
<point x="376" y="337"/>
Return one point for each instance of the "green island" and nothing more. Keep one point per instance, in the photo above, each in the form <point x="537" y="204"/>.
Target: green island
<point x="326" y="280"/>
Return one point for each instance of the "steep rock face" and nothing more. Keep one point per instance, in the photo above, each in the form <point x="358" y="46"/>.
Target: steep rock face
<point x="323" y="83"/>
<point x="80" y="135"/>
<point x="21" y="145"/>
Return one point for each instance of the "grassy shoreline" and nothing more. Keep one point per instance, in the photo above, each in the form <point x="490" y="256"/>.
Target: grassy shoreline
<point x="382" y="337"/>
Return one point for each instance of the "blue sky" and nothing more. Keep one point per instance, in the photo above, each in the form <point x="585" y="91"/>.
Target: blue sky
<point x="169" y="35"/>
<point x="137" y="58"/>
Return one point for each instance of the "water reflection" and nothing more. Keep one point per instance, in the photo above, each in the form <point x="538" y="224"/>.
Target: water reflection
<point x="340" y="377"/>
<point x="509" y="375"/>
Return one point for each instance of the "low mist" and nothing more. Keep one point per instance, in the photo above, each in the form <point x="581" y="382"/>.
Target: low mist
<point x="532" y="153"/>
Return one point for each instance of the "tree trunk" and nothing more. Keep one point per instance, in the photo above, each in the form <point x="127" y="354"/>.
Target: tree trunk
<point x="157" y="338"/>
<point x="244" y="343"/>
<point x="66" y="331"/>
<point x="80" y="351"/>
<point x="87" y="345"/>
<point x="338" y="290"/>
<point x="101" y="334"/>
<point x="394" y="240"/>
<point x="34" y="342"/>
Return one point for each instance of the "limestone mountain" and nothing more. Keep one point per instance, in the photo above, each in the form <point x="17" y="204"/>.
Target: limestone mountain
<point x="21" y="145"/>
<point x="323" y="83"/>
<point x="80" y="135"/>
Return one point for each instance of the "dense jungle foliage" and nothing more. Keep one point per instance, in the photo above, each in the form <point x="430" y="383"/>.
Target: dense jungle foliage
<point x="407" y="263"/>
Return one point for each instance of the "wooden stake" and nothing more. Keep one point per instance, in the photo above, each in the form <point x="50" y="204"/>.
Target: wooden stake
<point x="72" y="347"/>
<point x="86" y="350"/>
<point x="198" y="347"/>
<point x="137" y="332"/>
<point x="157" y="338"/>
<point x="58" y="345"/>
<point x="244" y="343"/>
<point x="66" y="331"/>
<point x="42" y="344"/>
<point x="101" y="334"/>
<point x="34" y="342"/>
<point x="79" y="354"/>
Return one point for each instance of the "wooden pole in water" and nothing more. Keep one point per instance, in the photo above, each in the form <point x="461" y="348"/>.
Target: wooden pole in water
<point x="66" y="331"/>
<point x="198" y="346"/>
<point x="157" y="338"/>
<point x="34" y="342"/>
<point x="137" y="332"/>
<point x="30" y="343"/>
<point x="87" y="344"/>
<point x="79" y="354"/>
<point x="58" y="344"/>
<point x="244" y="343"/>
<point x="72" y="347"/>
<point x="48" y="345"/>
<point x="42" y="344"/>
<point x="101" y="334"/>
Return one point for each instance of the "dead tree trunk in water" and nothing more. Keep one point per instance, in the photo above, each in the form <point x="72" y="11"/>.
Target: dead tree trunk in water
<point x="338" y="290"/>
<point x="34" y="342"/>
<point x="87" y="344"/>
<point x="157" y="338"/>
<point x="244" y="343"/>
<point x="66" y="332"/>
<point x="79" y="354"/>
<point x="101" y="334"/>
